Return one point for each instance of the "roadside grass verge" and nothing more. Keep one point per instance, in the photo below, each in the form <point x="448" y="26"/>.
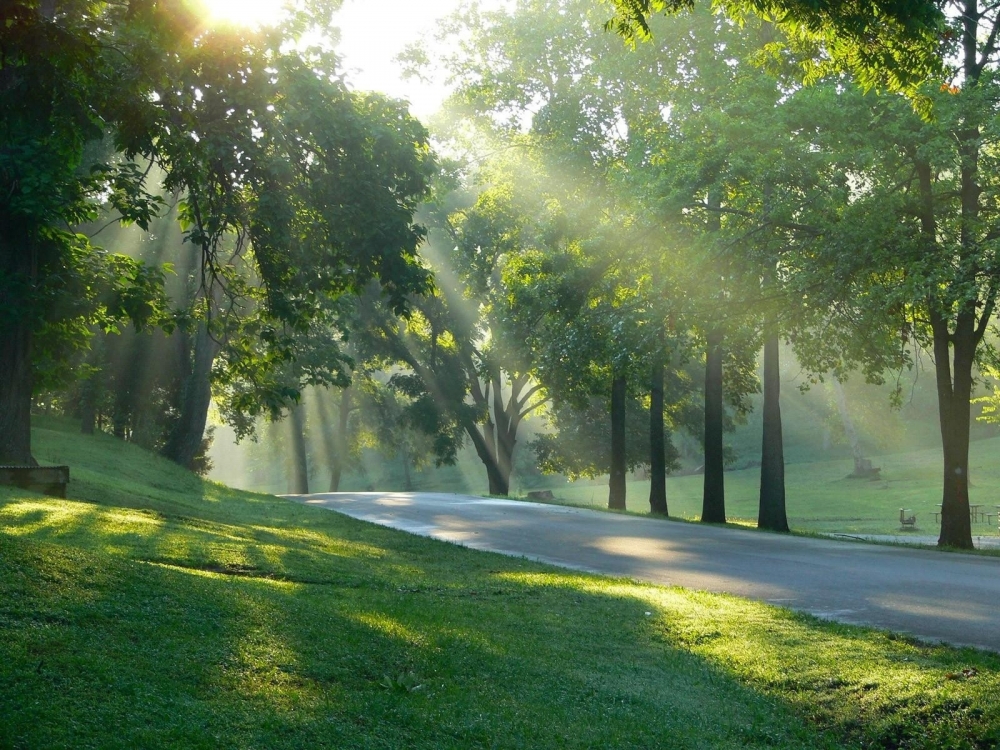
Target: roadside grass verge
<point x="154" y="610"/>
<point x="820" y="497"/>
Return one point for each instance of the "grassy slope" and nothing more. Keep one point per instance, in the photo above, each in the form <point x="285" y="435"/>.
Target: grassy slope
<point x="153" y="610"/>
<point x="820" y="497"/>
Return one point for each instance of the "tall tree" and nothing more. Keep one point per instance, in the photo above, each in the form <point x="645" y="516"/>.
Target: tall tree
<point x="917" y="246"/>
<point x="56" y="98"/>
<point x="274" y="158"/>
<point x="771" y="513"/>
<point x="657" y="439"/>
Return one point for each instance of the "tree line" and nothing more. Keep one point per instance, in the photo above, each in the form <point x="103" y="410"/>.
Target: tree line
<point x="609" y="235"/>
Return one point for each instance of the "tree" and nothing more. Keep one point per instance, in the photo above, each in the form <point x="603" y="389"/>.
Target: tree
<point x="275" y="158"/>
<point x="935" y="173"/>
<point x="55" y="99"/>
<point x="931" y="269"/>
<point x="596" y="115"/>
<point x="466" y="349"/>
<point x="882" y="43"/>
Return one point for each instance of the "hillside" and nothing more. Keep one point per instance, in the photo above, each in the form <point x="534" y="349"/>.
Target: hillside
<point x="152" y="609"/>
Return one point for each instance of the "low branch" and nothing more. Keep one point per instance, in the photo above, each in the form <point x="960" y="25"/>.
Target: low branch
<point x="534" y="406"/>
<point x="991" y="44"/>
<point x="984" y="319"/>
<point x="531" y="392"/>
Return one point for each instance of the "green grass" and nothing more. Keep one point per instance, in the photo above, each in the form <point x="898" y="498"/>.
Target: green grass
<point x="154" y="610"/>
<point x="820" y="497"/>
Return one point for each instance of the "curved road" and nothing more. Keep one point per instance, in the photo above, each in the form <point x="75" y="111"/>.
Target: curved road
<point x="934" y="596"/>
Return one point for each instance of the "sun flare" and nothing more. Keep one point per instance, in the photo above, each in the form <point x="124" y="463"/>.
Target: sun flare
<point x="244" y="12"/>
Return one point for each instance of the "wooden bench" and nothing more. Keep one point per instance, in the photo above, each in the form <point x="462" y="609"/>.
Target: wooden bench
<point x="907" y="519"/>
<point x="48" y="480"/>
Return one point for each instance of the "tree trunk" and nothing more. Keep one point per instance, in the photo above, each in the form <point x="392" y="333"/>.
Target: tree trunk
<point x="329" y="451"/>
<point x="954" y="378"/>
<point x="496" y="442"/>
<point x="616" y="484"/>
<point x="771" y="514"/>
<point x="954" y="411"/>
<point x="185" y="439"/>
<point x="505" y="459"/>
<point x="334" y="436"/>
<point x="18" y="275"/>
<point x="299" y="474"/>
<point x="499" y="485"/>
<point x="506" y="435"/>
<point x="713" y="508"/>
<point x="503" y="471"/>
<point x="15" y="394"/>
<point x="486" y="450"/>
<point x="93" y="385"/>
<point x="657" y="442"/>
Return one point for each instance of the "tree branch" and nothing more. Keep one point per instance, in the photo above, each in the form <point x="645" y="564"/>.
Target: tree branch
<point x="991" y="44"/>
<point x="534" y="406"/>
<point x="805" y="228"/>
<point x="531" y="392"/>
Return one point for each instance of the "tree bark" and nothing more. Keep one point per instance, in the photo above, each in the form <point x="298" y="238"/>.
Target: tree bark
<point x="954" y="351"/>
<point x="506" y="432"/>
<point x="713" y="508"/>
<point x="657" y="442"/>
<point x="954" y="412"/>
<point x="487" y="454"/>
<point x="18" y="282"/>
<point x="92" y="387"/>
<point x="185" y="439"/>
<point x="88" y="410"/>
<point x="616" y="484"/>
<point x="496" y="442"/>
<point x="18" y="277"/>
<point x="954" y="374"/>
<point x="334" y="436"/>
<point x="771" y="514"/>
<point x="299" y="474"/>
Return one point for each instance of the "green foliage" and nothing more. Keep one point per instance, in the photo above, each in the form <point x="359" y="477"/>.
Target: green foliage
<point x="890" y="44"/>
<point x="290" y="188"/>
<point x="581" y="445"/>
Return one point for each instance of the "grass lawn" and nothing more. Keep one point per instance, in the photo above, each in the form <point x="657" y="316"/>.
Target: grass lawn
<point x="154" y="610"/>
<point x="821" y="499"/>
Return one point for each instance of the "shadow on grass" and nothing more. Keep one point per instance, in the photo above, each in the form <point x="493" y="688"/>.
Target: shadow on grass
<point x="166" y="612"/>
<point x="340" y="634"/>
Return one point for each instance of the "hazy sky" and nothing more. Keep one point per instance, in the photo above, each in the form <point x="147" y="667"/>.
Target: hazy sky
<point x="375" y="32"/>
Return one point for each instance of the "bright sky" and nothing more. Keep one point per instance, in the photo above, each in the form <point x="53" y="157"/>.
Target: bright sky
<point x="373" y="33"/>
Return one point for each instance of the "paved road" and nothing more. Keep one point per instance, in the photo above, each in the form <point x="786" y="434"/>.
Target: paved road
<point x="939" y="597"/>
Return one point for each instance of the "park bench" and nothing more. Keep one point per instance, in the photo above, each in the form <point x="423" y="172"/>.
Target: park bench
<point x="907" y="519"/>
<point x="48" y="480"/>
<point x="975" y="514"/>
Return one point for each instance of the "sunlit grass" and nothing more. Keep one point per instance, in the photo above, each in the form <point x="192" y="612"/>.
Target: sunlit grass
<point x="184" y="614"/>
<point x="820" y="498"/>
